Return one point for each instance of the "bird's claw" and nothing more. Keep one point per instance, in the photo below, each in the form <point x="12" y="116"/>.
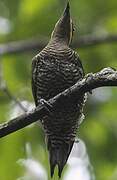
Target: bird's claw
<point x="89" y="76"/>
<point x="46" y="105"/>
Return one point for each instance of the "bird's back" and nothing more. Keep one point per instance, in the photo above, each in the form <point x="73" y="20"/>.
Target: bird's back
<point x="55" y="69"/>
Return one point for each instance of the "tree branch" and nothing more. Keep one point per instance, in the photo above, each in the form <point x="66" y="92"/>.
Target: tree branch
<point x="106" y="77"/>
<point x="39" y="44"/>
<point x="92" y="40"/>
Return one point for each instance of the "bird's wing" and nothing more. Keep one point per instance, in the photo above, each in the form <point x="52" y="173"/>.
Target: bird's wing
<point x="34" y="76"/>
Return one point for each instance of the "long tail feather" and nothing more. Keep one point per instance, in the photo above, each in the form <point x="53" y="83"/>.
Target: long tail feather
<point x="59" y="155"/>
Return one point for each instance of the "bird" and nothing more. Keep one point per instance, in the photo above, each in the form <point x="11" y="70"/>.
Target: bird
<point x="54" y="69"/>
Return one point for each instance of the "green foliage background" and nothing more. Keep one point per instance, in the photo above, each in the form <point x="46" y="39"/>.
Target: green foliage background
<point x="35" y="18"/>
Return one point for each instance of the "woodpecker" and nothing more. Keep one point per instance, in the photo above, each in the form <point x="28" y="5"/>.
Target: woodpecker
<point x="54" y="69"/>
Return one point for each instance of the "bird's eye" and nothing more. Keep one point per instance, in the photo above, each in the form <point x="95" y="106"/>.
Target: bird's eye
<point x="73" y="28"/>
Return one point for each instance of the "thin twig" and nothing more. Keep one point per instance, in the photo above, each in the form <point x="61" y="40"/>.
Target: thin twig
<point x="13" y="98"/>
<point x="5" y="89"/>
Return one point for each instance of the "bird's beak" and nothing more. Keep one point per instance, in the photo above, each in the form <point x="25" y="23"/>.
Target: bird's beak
<point x="63" y="26"/>
<point x="66" y="12"/>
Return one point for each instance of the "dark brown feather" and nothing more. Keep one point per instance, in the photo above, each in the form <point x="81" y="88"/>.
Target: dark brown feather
<point x="54" y="69"/>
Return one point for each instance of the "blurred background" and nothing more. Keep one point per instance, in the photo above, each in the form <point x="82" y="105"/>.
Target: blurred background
<point x="23" y="155"/>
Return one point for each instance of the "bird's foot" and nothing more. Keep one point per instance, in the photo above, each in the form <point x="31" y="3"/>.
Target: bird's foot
<point x="47" y="106"/>
<point x="89" y="76"/>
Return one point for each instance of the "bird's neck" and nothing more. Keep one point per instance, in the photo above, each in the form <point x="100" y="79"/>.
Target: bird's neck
<point x="58" y="43"/>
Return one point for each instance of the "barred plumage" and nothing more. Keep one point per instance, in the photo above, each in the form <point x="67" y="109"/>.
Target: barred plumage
<point x="54" y="69"/>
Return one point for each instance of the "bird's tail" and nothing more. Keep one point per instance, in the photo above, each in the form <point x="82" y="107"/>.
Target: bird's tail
<point x="58" y="155"/>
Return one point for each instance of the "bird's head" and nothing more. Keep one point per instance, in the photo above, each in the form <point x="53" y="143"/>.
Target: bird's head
<point x="63" y="30"/>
